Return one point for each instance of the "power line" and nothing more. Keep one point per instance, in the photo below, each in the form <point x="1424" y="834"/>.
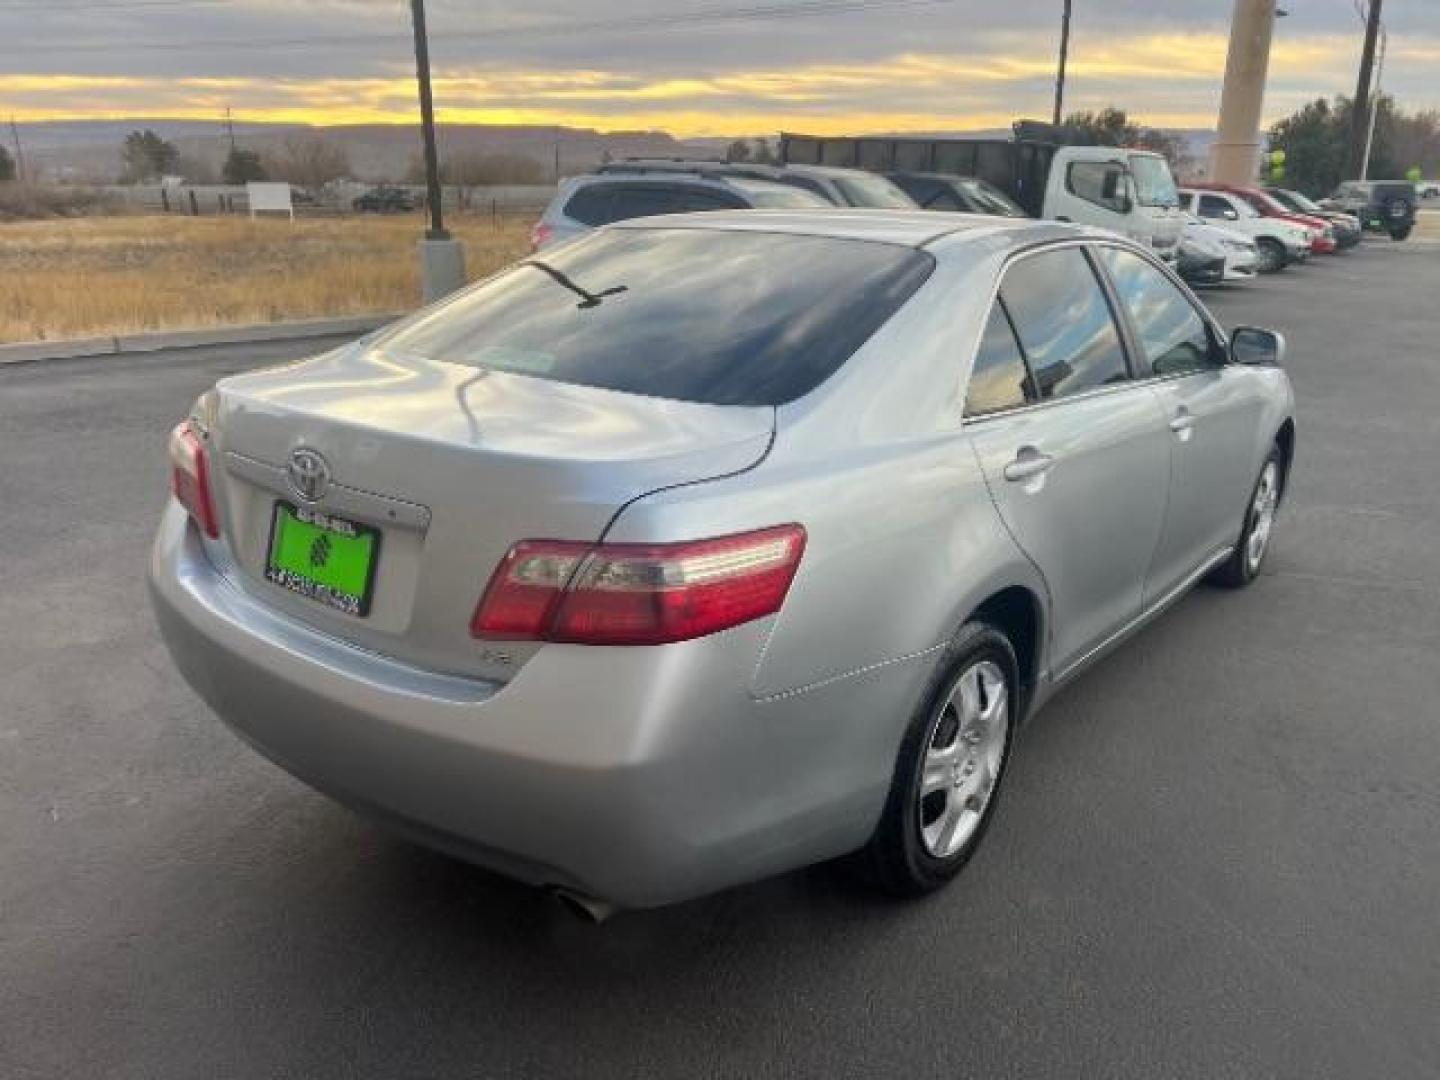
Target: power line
<point x="803" y="9"/>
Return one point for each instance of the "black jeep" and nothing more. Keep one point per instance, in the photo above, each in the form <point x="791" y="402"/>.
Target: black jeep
<point x="1381" y="205"/>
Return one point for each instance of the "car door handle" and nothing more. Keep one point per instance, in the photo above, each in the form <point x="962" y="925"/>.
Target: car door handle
<point x="1182" y="421"/>
<point x="1028" y="463"/>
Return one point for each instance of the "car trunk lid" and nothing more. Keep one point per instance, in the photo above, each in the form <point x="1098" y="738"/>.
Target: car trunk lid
<point x="452" y="465"/>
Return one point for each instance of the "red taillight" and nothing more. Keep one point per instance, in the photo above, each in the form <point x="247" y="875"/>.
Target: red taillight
<point x="190" y="477"/>
<point x="540" y="235"/>
<point x="638" y="594"/>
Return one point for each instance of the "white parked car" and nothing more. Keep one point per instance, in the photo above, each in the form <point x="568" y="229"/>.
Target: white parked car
<point x="1242" y="256"/>
<point x="1279" y="243"/>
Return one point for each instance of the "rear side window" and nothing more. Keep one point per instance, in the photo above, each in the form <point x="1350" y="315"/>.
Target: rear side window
<point x="601" y="204"/>
<point x="647" y="200"/>
<point x="1064" y="323"/>
<point x="1171" y="332"/>
<point x="726" y="318"/>
<point x="591" y="205"/>
<point x="1000" y="380"/>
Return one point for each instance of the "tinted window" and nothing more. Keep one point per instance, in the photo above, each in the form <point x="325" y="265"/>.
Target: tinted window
<point x="768" y="196"/>
<point x="691" y="314"/>
<point x="591" y="205"/>
<point x="864" y="189"/>
<point x="924" y="190"/>
<point x="642" y="200"/>
<point x="1213" y="206"/>
<point x="806" y="183"/>
<point x="946" y="198"/>
<point x="1172" y="334"/>
<point x="1064" y="323"/>
<point x="999" y="380"/>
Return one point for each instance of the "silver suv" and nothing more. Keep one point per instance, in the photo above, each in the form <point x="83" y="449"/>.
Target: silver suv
<point x="588" y="202"/>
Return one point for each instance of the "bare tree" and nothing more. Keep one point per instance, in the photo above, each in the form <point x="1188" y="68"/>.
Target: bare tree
<point x="308" y="159"/>
<point x="479" y="169"/>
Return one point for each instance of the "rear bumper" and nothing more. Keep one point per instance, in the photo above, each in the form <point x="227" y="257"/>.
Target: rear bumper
<point x="642" y="776"/>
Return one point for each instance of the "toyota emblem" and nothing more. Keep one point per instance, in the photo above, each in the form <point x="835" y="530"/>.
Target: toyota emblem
<point x="309" y="474"/>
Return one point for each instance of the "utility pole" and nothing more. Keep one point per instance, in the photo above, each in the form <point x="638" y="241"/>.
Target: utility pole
<point x="442" y="259"/>
<point x="1360" y="110"/>
<point x="1236" y="153"/>
<point x="19" y="153"/>
<point x="427" y="122"/>
<point x="1064" y="55"/>
<point x="1374" y="106"/>
<point x="230" y="127"/>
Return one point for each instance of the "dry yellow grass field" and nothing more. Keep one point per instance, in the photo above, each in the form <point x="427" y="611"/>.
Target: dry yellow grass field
<point x="109" y="275"/>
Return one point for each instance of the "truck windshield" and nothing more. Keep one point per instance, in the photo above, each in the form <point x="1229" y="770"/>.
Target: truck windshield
<point x="1154" y="186"/>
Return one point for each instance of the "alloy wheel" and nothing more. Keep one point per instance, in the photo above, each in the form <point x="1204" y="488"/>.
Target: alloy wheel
<point x="1262" y="516"/>
<point x="963" y="757"/>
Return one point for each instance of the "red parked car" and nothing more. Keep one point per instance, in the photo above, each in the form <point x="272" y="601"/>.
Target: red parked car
<point x="1322" y="235"/>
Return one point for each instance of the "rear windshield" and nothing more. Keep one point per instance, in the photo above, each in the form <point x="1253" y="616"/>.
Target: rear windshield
<point x="725" y="318"/>
<point x="864" y="189"/>
<point x="991" y="200"/>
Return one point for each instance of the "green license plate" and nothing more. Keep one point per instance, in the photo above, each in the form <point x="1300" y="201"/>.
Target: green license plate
<point x="326" y="558"/>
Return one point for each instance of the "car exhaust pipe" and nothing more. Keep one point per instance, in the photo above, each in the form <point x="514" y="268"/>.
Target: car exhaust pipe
<point x="586" y="908"/>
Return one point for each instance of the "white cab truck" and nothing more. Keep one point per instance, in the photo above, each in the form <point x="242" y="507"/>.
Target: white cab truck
<point x="1131" y="192"/>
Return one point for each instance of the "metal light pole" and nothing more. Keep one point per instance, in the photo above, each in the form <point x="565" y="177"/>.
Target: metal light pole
<point x="1064" y="55"/>
<point x="1374" y="106"/>
<point x="442" y="259"/>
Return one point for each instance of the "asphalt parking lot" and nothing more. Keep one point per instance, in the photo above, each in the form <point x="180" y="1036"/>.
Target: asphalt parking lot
<point x="1218" y="856"/>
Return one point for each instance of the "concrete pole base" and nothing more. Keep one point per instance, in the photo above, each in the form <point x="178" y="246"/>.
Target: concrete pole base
<point x="442" y="268"/>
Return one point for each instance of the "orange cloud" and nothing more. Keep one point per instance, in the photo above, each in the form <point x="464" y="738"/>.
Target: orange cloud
<point x="1164" y="79"/>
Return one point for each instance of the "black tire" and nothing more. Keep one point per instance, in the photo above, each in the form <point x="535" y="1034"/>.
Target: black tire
<point x="1273" y="257"/>
<point x="1402" y="233"/>
<point x="896" y="859"/>
<point x="1240" y="569"/>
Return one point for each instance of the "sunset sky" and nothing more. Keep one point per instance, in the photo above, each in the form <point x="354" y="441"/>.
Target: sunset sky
<point x="712" y="67"/>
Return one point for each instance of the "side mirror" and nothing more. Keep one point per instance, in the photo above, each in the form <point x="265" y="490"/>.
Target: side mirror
<point x="1256" y="346"/>
<point x="1230" y="215"/>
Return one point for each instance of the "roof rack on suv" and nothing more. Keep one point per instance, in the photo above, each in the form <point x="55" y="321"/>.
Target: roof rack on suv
<point x="704" y="167"/>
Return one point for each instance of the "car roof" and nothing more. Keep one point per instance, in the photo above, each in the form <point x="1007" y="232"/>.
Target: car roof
<point x="910" y="228"/>
<point x="824" y="170"/>
<point x="656" y="176"/>
<point x="926" y="175"/>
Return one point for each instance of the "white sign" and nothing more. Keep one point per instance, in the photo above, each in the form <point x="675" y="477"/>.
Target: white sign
<point x="269" y="196"/>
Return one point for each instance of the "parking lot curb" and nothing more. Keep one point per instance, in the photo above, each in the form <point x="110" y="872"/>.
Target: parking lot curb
<point x="120" y="344"/>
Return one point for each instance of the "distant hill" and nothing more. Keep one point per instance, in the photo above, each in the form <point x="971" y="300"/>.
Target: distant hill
<point x="89" y="150"/>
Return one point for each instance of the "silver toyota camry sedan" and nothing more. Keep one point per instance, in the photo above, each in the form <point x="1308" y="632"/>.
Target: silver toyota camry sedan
<point x="711" y="546"/>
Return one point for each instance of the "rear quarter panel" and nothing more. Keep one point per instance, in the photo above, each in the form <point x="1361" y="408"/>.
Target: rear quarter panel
<point x="903" y="540"/>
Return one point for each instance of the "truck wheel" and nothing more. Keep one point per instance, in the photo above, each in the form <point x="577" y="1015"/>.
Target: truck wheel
<point x="949" y="769"/>
<point x="1402" y="233"/>
<point x="1272" y="254"/>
